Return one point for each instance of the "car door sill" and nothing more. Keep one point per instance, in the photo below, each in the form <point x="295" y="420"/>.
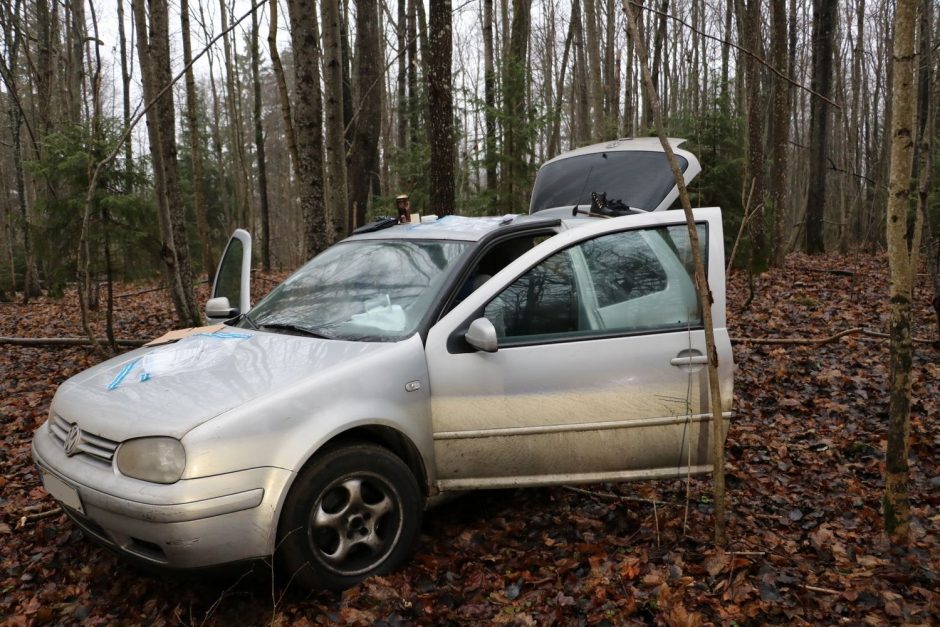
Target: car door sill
<point x="476" y="483"/>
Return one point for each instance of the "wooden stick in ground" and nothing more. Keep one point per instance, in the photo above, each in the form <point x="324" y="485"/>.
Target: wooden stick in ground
<point x="701" y="284"/>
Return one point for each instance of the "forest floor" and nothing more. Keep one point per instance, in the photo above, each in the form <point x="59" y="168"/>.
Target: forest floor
<point x="805" y="465"/>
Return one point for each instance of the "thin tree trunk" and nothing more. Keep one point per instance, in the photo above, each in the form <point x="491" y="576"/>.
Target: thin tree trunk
<point x="370" y="76"/>
<point x="308" y="126"/>
<point x="259" y="145"/>
<point x="335" y="144"/>
<point x="824" y="12"/>
<point x="125" y="99"/>
<point x="489" y="97"/>
<point x="195" y="147"/>
<point x="903" y="247"/>
<point x="281" y="80"/>
<point x="440" y="111"/>
<point x="781" y="128"/>
<point x="554" y="143"/>
<point x="702" y="288"/>
<point x="595" y="87"/>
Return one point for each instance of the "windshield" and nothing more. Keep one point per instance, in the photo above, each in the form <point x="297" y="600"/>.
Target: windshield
<point x="377" y="290"/>
<point x="637" y="179"/>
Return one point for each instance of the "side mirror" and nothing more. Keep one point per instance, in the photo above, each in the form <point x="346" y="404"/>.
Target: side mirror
<point x="219" y="307"/>
<point x="482" y="335"/>
<point x="232" y="278"/>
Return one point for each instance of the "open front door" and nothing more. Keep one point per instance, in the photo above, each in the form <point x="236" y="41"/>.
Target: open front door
<point x="231" y="292"/>
<point x="591" y="360"/>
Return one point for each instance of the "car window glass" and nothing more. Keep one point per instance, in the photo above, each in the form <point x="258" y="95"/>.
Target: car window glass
<point x="542" y="302"/>
<point x="229" y="281"/>
<point x="643" y="280"/>
<point x="633" y="281"/>
<point x="373" y="290"/>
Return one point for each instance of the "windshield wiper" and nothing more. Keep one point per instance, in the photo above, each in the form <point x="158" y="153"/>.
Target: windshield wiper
<point x="285" y="326"/>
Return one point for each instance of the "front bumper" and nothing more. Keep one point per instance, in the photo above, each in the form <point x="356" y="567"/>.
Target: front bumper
<point x="189" y="524"/>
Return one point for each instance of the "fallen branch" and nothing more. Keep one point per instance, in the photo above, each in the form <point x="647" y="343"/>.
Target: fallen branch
<point x="613" y="497"/>
<point x="55" y="511"/>
<point x="835" y="271"/>
<point x="818" y="341"/>
<point x="64" y="341"/>
<point x="818" y="589"/>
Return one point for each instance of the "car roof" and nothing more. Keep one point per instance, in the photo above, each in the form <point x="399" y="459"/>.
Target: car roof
<point x="459" y="228"/>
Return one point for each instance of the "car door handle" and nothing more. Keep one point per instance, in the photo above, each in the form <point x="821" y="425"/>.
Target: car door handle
<point x="689" y="360"/>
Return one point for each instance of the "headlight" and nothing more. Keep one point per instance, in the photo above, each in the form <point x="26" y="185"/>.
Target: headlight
<point x="160" y="460"/>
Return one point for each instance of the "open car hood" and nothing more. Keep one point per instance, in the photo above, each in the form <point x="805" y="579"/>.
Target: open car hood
<point x="633" y="174"/>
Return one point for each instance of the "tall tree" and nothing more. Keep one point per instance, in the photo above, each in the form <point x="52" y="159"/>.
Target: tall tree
<point x="281" y="80"/>
<point x="516" y="140"/>
<point x="259" y="143"/>
<point x="749" y="21"/>
<point x="903" y="238"/>
<point x="440" y="110"/>
<point x="334" y="118"/>
<point x="779" y="186"/>
<point x="370" y="76"/>
<point x="195" y="145"/>
<point x="824" y="14"/>
<point x="153" y="49"/>
<point x="308" y="126"/>
<point x="489" y="96"/>
<point x="595" y="87"/>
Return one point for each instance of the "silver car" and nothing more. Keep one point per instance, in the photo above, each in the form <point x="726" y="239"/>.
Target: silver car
<point x="404" y="362"/>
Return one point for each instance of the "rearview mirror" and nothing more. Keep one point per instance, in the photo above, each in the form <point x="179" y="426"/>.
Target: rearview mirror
<point x="482" y="335"/>
<point x="219" y="307"/>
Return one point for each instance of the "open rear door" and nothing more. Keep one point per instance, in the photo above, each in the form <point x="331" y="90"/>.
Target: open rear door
<point x="231" y="292"/>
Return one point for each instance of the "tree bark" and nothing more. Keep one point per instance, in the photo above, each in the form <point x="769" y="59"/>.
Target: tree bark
<point x="259" y="144"/>
<point x="595" y="87"/>
<point x="489" y="97"/>
<point x="308" y="121"/>
<point x="370" y="77"/>
<point x="903" y="247"/>
<point x="334" y="119"/>
<point x="515" y="139"/>
<point x="824" y="13"/>
<point x="195" y="147"/>
<point x="281" y="81"/>
<point x="154" y="53"/>
<point x="781" y="129"/>
<point x="440" y="111"/>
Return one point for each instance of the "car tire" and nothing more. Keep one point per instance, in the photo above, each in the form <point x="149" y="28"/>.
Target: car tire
<point x="354" y="511"/>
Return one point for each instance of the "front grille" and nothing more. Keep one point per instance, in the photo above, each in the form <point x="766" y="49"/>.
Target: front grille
<point x="90" y="445"/>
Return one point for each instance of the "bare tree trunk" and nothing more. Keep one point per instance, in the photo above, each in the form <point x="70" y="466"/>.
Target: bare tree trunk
<point x="236" y="139"/>
<point x="580" y="121"/>
<point x="403" y="69"/>
<point x="658" y="40"/>
<point x="516" y="146"/>
<point x="903" y="247"/>
<point x="125" y="97"/>
<point x="554" y="142"/>
<point x="308" y="126"/>
<point x="195" y="146"/>
<point x="749" y="26"/>
<point x="781" y="128"/>
<point x="595" y="87"/>
<point x="489" y="97"/>
<point x="440" y="111"/>
<point x="154" y="55"/>
<point x="281" y="80"/>
<point x="335" y="144"/>
<point x="370" y="76"/>
<point x="259" y="145"/>
<point x="824" y="13"/>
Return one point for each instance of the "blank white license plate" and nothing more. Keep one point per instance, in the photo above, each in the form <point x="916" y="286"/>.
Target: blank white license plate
<point x="61" y="491"/>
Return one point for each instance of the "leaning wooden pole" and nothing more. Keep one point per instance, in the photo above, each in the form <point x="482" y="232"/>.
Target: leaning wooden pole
<point x="701" y="283"/>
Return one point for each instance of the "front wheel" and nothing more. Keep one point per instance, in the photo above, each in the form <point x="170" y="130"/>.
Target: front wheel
<point x="352" y="513"/>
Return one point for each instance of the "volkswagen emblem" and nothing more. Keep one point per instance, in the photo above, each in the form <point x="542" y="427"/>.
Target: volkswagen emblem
<point x="72" y="440"/>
